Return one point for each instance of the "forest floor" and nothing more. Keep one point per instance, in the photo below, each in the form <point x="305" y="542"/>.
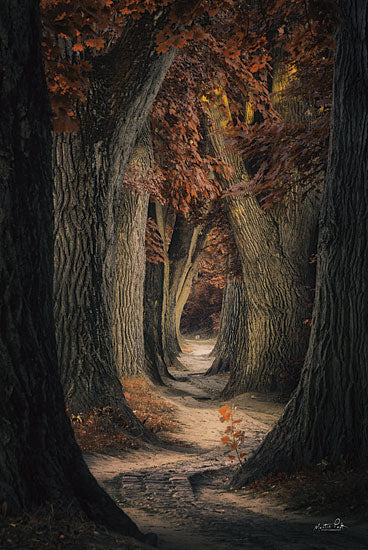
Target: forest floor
<point x="180" y="492"/>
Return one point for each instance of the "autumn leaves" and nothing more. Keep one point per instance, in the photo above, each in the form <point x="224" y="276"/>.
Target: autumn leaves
<point x="234" y="436"/>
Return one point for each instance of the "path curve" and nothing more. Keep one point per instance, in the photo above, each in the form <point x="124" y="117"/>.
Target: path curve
<point x="180" y="493"/>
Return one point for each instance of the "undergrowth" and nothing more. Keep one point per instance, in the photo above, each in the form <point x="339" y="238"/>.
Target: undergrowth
<point x="106" y="429"/>
<point x="102" y="430"/>
<point x="62" y="528"/>
<point x="341" y="491"/>
<point x="154" y="412"/>
<point x="234" y="435"/>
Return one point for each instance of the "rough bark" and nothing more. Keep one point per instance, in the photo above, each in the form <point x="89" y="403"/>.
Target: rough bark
<point x="129" y="286"/>
<point x="153" y="322"/>
<point x="277" y="275"/>
<point x="130" y="268"/>
<point x="327" y="416"/>
<point x="155" y="299"/>
<point x="89" y="167"/>
<point x="278" y="295"/>
<point x="40" y="461"/>
<point x="166" y="221"/>
<point x="231" y="336"/>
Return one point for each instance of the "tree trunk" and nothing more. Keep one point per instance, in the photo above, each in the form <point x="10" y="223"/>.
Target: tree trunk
<point x="167" y="287"/>
<point x="189" y="273"/>
<point x="40" y="461"/>
<point x="89" y="168"/>
<point x="184" y="252"/>
<point x="277" y="275"/>
<point x="130" y="268"/>
<point x="130" y="272"/>
<point x="153" y="289"/>
<point x="278" y="298"/>
<point x="327" y="416"/>
<point x="231" y="337"/>
<point x="155" y="298"/>
<point x="82" y="315"/>
<point x="166" y="221"/>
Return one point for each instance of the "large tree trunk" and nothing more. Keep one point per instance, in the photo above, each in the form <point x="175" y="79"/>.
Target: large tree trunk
<point x="89" y="167"/>
<point x="40" y="461"/>
<point x="231" y="337"/>
<point x="327" y="416"/>
<point x="130" y="273"/>
<point x="278" y="296"/>
<point x="130" y="267"/>
<point x="276" y="272"/>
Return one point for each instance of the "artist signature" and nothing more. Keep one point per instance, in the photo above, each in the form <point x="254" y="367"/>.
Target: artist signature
<point x="337" y="525"/>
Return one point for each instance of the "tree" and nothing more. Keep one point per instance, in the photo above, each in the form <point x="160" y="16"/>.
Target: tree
<point x="174" y="26"/>
<point x="278" y="265"/>
<point x="89" y="167"/>
<point x="184" y="251"/>
<point x="232" y="336"/>
<point x="40" y="460"/>
<point x="276" y="271"/>
<point x="159" y="229"/>
<point x="130" y="264"/>
<point x="134" y="40"/>
<point x="326" y="417"/>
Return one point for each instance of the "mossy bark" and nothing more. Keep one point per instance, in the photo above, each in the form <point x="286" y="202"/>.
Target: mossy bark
<point x="274" y="247"/>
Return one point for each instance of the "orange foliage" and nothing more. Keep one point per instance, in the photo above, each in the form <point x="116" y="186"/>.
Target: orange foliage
<point x="155" y="413"/>
<point x="107" y="429"/>
<point x="275" y="148"/>
<point x="242" y="45"/>
<point x="102" y="430"/>
<point x="233" y="44"/>
<point x="76" y="31"/>
<point x="234" y="437"/>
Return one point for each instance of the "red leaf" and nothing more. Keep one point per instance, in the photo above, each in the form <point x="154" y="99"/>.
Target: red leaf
<point x="222" y="410"/>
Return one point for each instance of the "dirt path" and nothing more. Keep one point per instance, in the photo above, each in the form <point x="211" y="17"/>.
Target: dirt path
<point x="180" y="493"/>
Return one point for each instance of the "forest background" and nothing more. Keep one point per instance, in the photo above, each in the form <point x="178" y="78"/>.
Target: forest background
<point x="223" y="116"/>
